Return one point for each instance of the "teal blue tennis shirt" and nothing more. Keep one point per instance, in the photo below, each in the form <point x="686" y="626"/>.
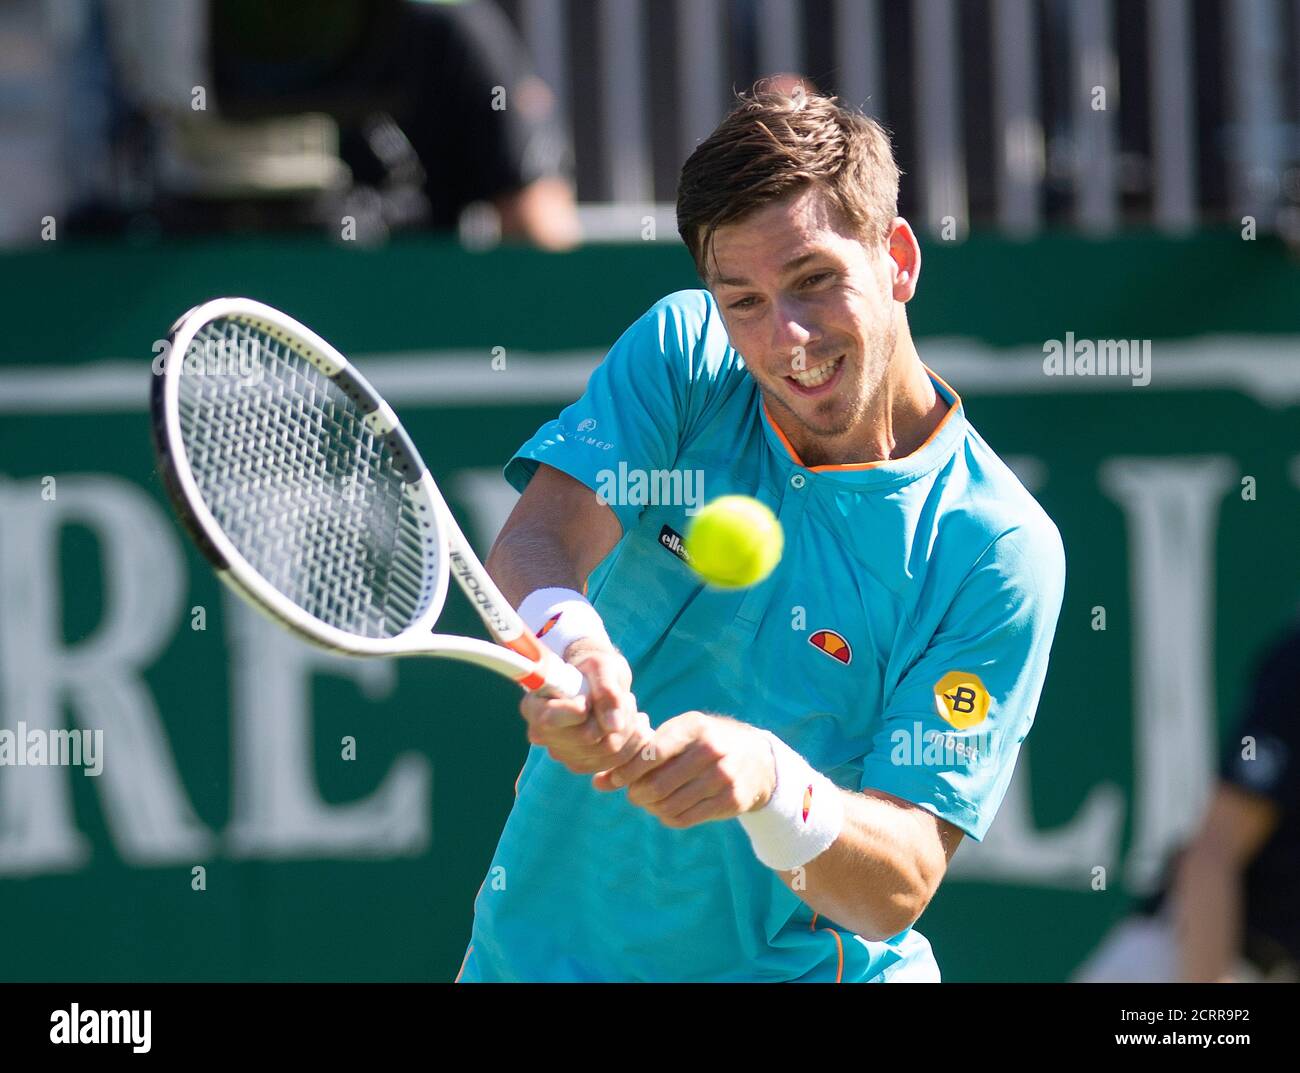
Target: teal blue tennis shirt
<point x="900" y="645"/>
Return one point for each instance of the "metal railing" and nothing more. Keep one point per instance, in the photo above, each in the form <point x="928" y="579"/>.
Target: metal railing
<point x="1013" y="114"/>
<point x="1010" y="114"/>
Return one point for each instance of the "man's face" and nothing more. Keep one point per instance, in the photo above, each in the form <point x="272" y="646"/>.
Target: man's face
<point x="811" y="309"/>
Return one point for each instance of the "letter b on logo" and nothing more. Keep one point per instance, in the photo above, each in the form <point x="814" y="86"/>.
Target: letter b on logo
<point x="961" y="699"/>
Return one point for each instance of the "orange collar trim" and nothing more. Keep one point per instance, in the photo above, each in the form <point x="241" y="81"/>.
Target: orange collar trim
<point x="842" y="467"/>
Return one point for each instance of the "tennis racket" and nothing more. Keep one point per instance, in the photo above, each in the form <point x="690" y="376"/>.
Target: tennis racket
<point x="300" y="486"/>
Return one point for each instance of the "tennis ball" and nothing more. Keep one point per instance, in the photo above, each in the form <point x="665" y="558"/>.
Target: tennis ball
<point x="734" y="542"/>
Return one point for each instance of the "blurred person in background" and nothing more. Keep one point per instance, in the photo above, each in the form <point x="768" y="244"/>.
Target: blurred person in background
<point x="1237" y="892"/>
<point x="393" y="114"/>
<point x="1230" y="908"/>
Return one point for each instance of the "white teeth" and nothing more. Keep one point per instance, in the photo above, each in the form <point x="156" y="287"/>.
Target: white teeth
<point x="818" y="376"/>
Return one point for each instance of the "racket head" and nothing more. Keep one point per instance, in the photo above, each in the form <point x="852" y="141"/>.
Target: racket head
<point x="297" y="481"/>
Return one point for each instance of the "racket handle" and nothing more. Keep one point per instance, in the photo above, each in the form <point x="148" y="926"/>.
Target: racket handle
<point x="563" y="680"/>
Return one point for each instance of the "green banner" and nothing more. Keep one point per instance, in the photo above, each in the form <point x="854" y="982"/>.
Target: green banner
<point x="266" y="811"/>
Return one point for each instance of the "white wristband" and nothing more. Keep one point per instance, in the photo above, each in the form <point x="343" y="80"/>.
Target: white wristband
<point x="803" y="817"/>
<point x="560" y="617"/>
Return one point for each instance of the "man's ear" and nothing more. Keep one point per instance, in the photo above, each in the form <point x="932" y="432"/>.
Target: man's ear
<point x="905" y="253"/>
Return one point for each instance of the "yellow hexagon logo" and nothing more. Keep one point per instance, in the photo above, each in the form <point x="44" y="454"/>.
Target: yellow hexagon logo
<point x="961" y="699"/>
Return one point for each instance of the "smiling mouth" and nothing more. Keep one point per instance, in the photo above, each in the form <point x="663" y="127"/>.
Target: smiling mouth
<point x="818" y="376"/>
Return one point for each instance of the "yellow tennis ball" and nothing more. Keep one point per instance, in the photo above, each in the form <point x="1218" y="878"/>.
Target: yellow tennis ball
<point x="734" y="542"/>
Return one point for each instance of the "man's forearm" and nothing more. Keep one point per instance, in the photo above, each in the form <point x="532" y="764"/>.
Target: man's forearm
<point x="558" y="533"/>
<point x="871" y="879"/>
<point x="529" y="557"/>
<point x="1207" y="908"/>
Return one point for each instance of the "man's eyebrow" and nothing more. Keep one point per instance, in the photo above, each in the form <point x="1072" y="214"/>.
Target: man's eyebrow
<point x="786" y="269"/>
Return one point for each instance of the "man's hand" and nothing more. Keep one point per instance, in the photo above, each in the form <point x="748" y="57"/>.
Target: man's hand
<point x="697" y="768"/>
<point x="595" y="732"/>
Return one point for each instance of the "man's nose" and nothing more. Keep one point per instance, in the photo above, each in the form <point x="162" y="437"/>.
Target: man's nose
<point x="791" y="332"/>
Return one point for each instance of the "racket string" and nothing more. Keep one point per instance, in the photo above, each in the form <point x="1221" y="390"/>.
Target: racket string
<point x="303" y="486"/>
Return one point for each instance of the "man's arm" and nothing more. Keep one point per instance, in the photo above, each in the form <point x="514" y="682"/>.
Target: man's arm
<point x="881" y="872"/>
<point x="543" y="213"/>
<point x="1207" y="894"/>
<point x="878" y="875"/>
<point x="557" y="534"/>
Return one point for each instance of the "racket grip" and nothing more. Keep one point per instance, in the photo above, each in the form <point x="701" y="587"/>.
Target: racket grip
<point x="563" y="680"/>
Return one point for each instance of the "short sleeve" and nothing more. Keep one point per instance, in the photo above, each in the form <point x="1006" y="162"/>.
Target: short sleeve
<point x="638" y="405"/>
<point x="955" y="721"/>
<point x="1263" y="755"/>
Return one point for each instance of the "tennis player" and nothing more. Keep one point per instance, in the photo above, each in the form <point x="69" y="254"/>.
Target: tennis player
<point x="780" y="797"/>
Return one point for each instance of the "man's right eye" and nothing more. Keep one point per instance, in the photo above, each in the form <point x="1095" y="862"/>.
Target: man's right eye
<point x="743" y="303"/>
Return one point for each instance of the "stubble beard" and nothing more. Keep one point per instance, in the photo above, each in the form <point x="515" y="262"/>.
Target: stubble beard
<point x="832" y="417"/>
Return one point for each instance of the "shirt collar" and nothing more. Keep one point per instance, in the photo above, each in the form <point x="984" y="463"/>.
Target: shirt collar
<point x="933" y="452"/>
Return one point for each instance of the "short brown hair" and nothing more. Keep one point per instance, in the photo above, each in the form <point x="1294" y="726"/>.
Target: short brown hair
<point x="773" y="144"/>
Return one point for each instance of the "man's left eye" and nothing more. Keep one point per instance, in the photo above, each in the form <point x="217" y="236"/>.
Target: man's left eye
<point x="817" y="278"/>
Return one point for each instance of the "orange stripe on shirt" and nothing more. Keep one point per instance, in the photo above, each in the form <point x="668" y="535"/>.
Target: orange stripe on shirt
<point x="846" y="466"/>
<point x="839" y="946"/>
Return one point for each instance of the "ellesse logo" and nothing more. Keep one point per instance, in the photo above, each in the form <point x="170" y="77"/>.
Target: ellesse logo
<point x="549" y="624"/>
<point x="672" y="540"/>
<point x="832" y="644"/>
<point x="807" y="802"/>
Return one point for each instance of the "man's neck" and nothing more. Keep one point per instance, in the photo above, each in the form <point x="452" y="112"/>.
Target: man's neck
<point x="906" y="411"/>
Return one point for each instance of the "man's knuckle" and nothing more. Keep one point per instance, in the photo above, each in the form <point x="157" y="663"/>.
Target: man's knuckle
<point x="561" y="718"/>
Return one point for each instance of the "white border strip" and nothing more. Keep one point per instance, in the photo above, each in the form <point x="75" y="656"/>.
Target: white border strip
<point x="1266" y="368"/>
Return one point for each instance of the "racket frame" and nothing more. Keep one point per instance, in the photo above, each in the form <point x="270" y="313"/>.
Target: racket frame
<point x="517" y="653"/>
